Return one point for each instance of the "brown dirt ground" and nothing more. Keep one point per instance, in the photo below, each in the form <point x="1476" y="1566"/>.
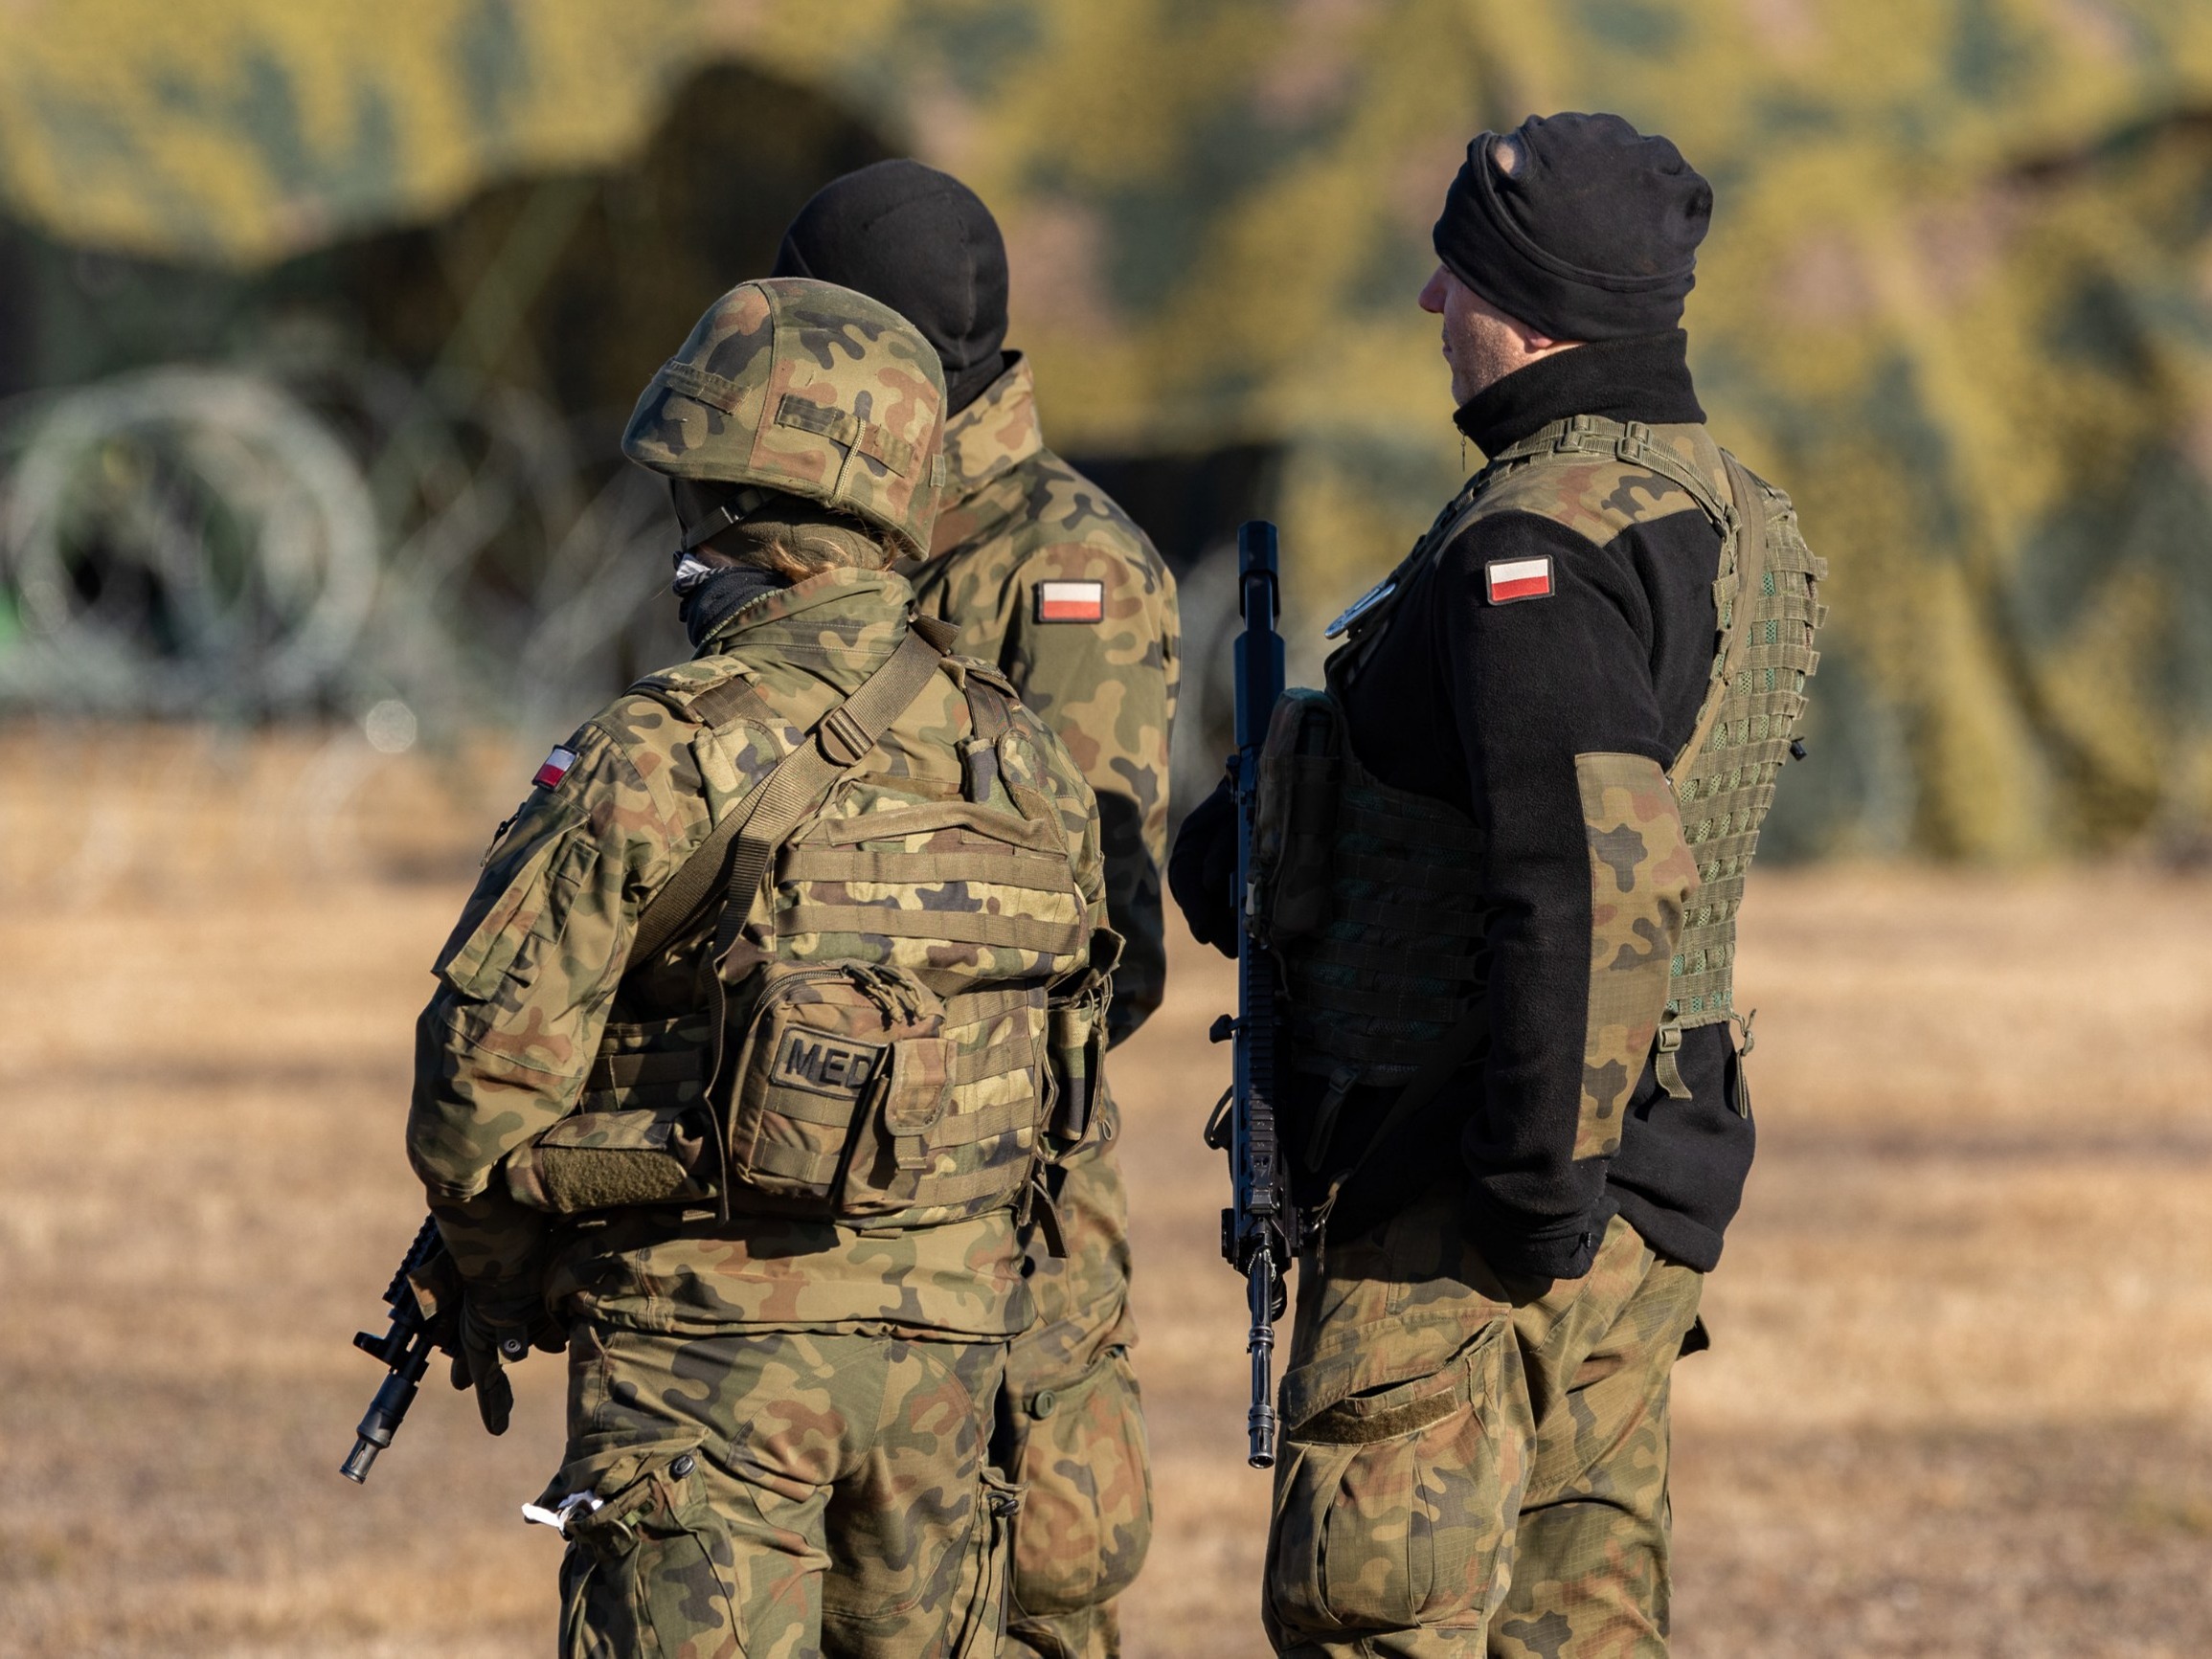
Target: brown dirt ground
<point x="1960" y="1400"/>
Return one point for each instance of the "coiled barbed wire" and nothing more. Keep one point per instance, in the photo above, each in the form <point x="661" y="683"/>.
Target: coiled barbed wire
<point x="327" y="542"/>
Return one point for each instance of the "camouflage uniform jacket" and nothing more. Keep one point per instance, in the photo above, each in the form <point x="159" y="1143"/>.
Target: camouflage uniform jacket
<point x="1046" y="577"/>
<point x="539" y="962"/>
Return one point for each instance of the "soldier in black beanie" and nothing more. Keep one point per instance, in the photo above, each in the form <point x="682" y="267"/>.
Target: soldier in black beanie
<point x="1517" y="1109"/>
<point x="1050" y="583"/>
<point x="1577" y="225"/>
<point x="924" y="244"/>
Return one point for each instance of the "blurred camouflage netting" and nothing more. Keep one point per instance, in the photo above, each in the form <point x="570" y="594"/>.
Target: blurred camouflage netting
<point x="1958" y="298"/>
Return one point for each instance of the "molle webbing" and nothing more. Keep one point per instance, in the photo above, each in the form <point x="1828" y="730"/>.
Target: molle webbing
<point x="1726" y="787"/>
<point x="841" y="739"/>
<point x="876" y="1043"/>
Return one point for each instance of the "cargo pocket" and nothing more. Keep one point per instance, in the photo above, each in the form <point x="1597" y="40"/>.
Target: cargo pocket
<point x="647" y="1573"/>
<point x="1086" y="1517"/>
<point x="1391" y="1504"/>
<point x="982" y="1625"/>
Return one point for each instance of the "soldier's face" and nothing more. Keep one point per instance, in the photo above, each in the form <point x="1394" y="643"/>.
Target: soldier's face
<point x="1481" y="343"/>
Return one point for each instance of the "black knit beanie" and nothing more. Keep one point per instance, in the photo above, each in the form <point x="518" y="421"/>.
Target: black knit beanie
<point x="924" y="244"/>
<point x="1593" y="236"/>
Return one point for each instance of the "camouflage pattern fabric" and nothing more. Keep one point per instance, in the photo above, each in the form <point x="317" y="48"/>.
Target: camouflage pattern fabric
<point x="1467" y="1470"/>
<point x="1015" y="519"/>
<point x="1642" y="876"/>
<point x="532" y="970"/>
<point x="780" y="1495"/>
<point x="803" y="386"/>
<point x="1072" y="1429"/>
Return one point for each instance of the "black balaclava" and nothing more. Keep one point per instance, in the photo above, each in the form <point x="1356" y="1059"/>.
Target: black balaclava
<point x="924" y="244"/>
<point x="1593" y="236"/>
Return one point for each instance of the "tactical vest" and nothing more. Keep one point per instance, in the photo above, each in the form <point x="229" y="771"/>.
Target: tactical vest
<point x="1373" y="895"/>
<point x="879" y="1039"/>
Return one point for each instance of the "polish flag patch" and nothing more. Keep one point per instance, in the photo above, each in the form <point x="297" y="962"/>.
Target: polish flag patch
<point x="1511" y="579"/>
<point x="1070" y="602"/>
<point x="556" y="767"/>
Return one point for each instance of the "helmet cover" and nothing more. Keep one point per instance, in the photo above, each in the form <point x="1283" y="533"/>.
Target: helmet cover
<point x="794" y="385"/>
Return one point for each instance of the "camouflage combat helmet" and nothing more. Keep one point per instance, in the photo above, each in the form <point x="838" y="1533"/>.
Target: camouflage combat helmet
<point x="794" y="385"/>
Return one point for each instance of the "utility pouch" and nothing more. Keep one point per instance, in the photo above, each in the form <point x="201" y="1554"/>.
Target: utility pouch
<point x="599" y="1160"/>
<point x="842" y="1072"/>
<point x="1077" y="1047"/>
<point x="642" y="1133"/>
<point x="1300" y="776"/>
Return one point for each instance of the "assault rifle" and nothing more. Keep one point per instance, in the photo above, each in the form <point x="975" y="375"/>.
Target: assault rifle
<point x="1258" y="1227"/>
<point x="417" y="1331"/>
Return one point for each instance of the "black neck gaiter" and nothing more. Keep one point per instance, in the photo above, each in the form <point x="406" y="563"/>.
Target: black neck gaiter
<point x="716" y="596"/>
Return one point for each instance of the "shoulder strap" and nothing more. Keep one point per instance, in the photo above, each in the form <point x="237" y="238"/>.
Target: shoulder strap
<point x="990" y="719"/>
<point x="1750" y="549"/>
<point x="792" y="788"/>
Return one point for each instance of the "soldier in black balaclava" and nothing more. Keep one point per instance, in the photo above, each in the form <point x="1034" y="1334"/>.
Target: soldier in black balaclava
<point x="924" y="244"/>
<point x="1050" y="581"/>
<point x="1516" y="1113"/>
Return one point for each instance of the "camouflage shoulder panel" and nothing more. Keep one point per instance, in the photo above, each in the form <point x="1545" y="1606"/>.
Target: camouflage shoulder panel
<point x="1059" y="772"/>
<point x="1596" y="497"/>
<point x="1642" y="874"/>
<point x="1599" y="476"/>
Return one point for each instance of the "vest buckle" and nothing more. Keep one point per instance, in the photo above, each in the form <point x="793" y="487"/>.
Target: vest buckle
<point x="841" y="737"/>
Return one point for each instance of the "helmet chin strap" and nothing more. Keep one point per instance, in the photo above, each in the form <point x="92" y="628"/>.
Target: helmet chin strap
<point x="737" y="506"/>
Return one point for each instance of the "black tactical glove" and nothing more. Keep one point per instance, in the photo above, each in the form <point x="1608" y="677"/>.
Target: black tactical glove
<point x="487" y="1341"/>
<point x="1202" y="870"/>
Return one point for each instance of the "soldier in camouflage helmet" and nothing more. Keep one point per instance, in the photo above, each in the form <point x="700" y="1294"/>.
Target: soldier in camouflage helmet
<point x="1499" y="860"/>
<point x="736" y="1070"/>
<point x="1046" y="578"/>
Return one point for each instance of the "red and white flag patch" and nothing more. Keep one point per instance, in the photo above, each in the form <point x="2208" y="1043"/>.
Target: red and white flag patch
<point x="1070" y="602"/>
<point x="1511" y="579"/>
<point x="556" y="767"/>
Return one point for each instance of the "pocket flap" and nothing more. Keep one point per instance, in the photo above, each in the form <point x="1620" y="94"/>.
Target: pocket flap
<point x="607" y="1472"/>
<point x="916" y="1098"/>
<point x="611" y="1132"/>
<point x="1377" y="1378"/>
<point x="919" y="1088"/>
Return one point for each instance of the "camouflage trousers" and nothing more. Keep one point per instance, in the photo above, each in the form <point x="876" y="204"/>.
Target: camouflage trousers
<point x="780" y="1495"/>
<point x="1072" y="1429"/>
<point x="1467" y="1473"/>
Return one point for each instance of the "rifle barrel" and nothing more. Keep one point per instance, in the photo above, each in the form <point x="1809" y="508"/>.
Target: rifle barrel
<point x="1259" y="1422"/>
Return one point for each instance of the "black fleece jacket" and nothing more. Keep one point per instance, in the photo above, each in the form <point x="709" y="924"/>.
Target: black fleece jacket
<point x="1485" y="706"/>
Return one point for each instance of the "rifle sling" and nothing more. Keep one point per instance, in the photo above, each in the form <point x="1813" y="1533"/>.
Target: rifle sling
<point x="794" y="787"/>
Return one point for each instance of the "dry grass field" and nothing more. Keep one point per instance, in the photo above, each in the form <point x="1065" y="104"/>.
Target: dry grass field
<point x="1959" y="1401"/>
